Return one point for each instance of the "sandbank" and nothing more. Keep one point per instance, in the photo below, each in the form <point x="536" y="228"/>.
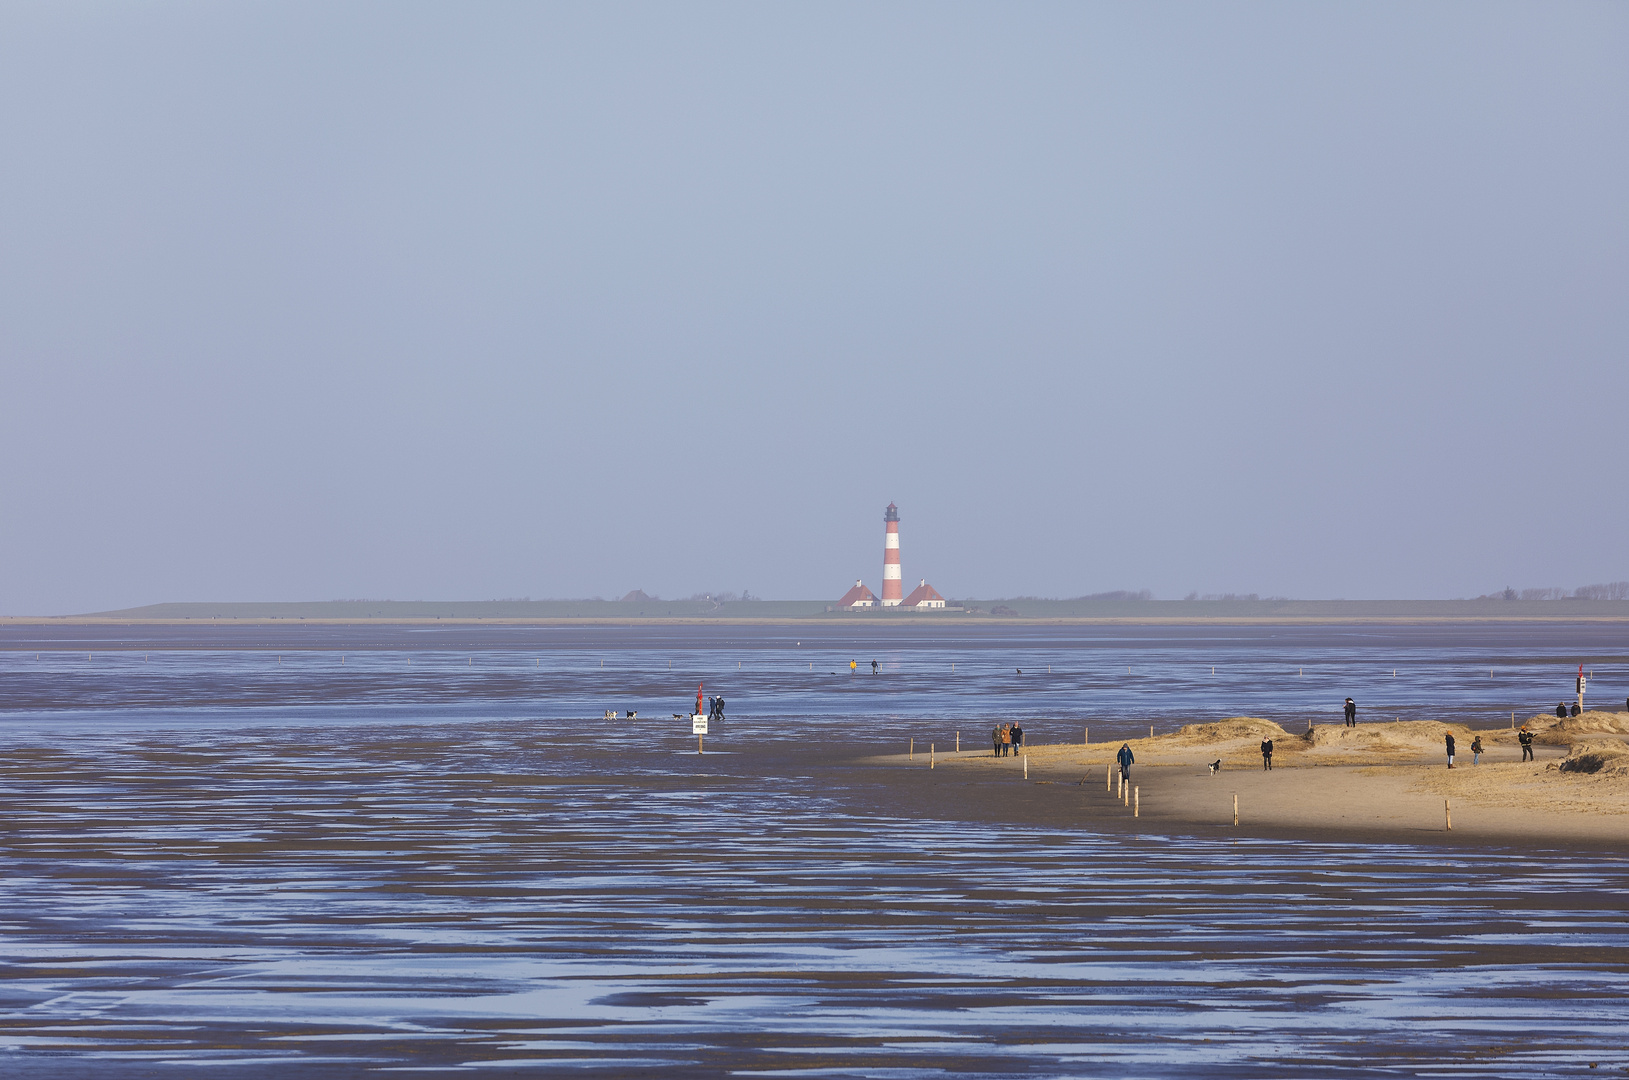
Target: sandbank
<point x="1377" y="781"/>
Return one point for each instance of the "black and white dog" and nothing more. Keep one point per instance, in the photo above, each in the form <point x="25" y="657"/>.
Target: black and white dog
<point x="1215" y="766"/>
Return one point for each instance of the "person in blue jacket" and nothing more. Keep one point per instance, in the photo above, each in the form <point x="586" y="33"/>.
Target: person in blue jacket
<point x="1126" y="760"/>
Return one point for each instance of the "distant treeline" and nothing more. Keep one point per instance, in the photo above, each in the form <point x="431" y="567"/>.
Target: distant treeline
<point x="1612" y="590"/>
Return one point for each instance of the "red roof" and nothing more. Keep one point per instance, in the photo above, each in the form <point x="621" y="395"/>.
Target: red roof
<point x="858" y="593"/>
<point x="922" y="592"/>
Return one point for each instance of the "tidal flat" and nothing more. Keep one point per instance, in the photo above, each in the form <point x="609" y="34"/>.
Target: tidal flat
<point x="436" y="854"/>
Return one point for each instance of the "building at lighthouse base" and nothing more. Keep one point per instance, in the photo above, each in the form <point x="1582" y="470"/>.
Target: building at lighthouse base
<point x="924" y="598"/>
<point x="857" y="597"/>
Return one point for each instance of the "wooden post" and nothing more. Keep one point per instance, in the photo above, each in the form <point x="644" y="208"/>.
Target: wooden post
<point x="958" y="742"/>
<point x="1125" y="795"/>
<point x="1108" y="778"/>
<point x="1026" y="766"/>
<point x="1448" y="815"/>
<point x="930" y="755"/>
<point x="1085" y="735"/>
<point x="1150" y="731"/>
<point x="913" y="748"/>
<point x="1235" y="808"/>
<point x="1136" y="801"/>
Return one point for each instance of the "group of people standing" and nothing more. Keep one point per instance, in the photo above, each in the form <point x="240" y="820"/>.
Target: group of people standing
<point x="1007" y="739"/>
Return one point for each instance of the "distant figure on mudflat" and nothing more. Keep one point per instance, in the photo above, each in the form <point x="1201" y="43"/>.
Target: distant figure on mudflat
<point x="1525" y="737"/>
<point x="1267" y="755"/>
<point x="1574" y="711"/>
<point x="721" y="706"/>
<point x="1351" y="713"/>
<point x="853" y="666"/>
<point x="1126" y="760"/>
<point x="1561" y="709"/>
<point x="1450" y="744"/>
<point x="873" y="667"/>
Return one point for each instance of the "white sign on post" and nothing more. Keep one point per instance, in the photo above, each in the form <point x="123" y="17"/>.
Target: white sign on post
<point x="698" y="724"/>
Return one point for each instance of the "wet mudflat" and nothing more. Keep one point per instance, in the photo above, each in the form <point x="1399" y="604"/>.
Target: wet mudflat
<point x="409" y="885"/>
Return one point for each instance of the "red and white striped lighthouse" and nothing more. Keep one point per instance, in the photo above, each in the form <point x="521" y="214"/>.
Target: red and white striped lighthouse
<point x="892" y="594"/>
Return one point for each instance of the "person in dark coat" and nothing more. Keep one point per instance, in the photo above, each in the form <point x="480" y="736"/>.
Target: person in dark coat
<point x="1126" y="760"/>
<point x="873" y="667"/>
<point x="718" y="703"/>
<point x="995" y="741"/>
<point x="1351" y="713"/>
<point x="1525" y="737"/>
<point x="1574" y="711"/>
<point x="1450" y="743"/>
<point x="1017" y="738"/>
<point x="1267" y="754"/>
<point x="1476" y="750"/>
<point x="1561" y="709"/>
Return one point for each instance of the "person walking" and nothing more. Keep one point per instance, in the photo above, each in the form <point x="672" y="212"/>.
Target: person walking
<point x="1525" y="737"/>
<point x="853" y="666"/>
<point x="1267" y="755"/>
<point x="1476" y="750"/>
<point x="1006" y="739"/>
<point x="1017" y="739"/>
<point x="1351" y="713"/>
<point x="873" y="667"/>
<point x="718" y="703"/>
<point x="995" y="742"/>
<point x="1126" y="760"/>
<point x="1450" y="743"/>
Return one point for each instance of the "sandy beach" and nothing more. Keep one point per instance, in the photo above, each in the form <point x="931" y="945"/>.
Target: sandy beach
<point x="1381" y="781"/>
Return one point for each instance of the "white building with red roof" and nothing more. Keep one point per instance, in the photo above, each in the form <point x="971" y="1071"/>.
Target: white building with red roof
<point x="859" y="596"/>
<point x="923" y="598"/>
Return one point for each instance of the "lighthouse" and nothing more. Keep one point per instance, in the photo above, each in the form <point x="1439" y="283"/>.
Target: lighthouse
<point x="892" y="594"/>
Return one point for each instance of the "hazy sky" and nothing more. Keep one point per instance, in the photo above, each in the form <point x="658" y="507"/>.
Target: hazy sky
<point x="491" y="300"/>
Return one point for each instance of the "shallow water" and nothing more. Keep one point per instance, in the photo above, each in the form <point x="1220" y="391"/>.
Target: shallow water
<point x="320" y="869"/>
